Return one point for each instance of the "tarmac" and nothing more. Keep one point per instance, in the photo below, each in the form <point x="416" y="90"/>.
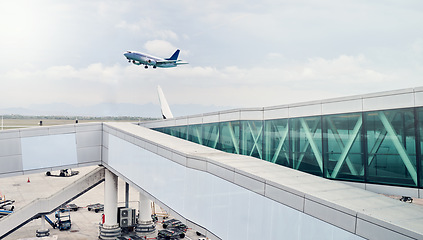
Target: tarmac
<point x="85" y="224"/>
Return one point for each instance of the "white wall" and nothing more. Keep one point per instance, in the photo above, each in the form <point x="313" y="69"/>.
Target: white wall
<point x="226" y="209"/>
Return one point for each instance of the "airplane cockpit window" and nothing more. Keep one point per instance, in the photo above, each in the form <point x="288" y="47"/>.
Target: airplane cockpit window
<point x="128" y="51"/>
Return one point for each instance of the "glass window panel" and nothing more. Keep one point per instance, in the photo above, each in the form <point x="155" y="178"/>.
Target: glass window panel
<point x="194" y="134"/>
<point x="306" y="144"/>
<point x="229" y="137"/>
<point x="343" y="154"/>
<point x="180" y="132"/>
<point x="420" y="124"/>
<point x="276" y="143"/>
<point x="251" y="138"/>
<point x="391" y="147"/>
<point x="210" y="135"/>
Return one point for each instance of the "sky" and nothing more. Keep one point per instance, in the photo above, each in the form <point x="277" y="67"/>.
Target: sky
<point x="241" y="54"/>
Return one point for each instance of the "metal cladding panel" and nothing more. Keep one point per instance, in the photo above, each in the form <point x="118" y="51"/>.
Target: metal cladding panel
<point x="388" y="102"/>
<point x="167" y="123"/>
<point x="48" y="151"/>
<point x="7" y="134"/>
<point x="89" y="127"/>
<point x="252" y="114"/>
<point x="370" y="230"/>
<point x="10" y="147"/>
<point x="195" y="120"/>
<point x="11" y="164"/>
<point x="154" y="124"/>
<point x="330" y="215"/>
<point x="306" y="110"/>
<point x="418" y="96"/>
<point x="229" y="116"/>
<point x="348" y="106"/>
<point x="62" y="129"/>
<point x="89" y="154"/>
<point x="211" y="118"/>
<point x="33" y="132"/>
<point x="277" y="113"/>
<point x="88" y="139"/>
<point x="181" y="122"/>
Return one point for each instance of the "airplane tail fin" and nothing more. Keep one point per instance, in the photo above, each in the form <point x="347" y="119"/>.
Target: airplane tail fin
<point x="174" y="56"/>
<point x="166" y="113"/>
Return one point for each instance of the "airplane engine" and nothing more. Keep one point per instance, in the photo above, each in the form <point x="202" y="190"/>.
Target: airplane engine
<point x="151" y="62"/>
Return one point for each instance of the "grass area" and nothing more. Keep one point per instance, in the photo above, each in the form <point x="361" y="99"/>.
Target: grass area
<point x="18" y="121"/>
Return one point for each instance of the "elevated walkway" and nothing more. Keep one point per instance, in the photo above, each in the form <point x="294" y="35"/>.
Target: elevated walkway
<point x="226" y="196"/>
<point x="50" y="204"/>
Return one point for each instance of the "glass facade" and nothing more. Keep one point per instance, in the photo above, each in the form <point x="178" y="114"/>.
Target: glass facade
<point x="382" y="147"/>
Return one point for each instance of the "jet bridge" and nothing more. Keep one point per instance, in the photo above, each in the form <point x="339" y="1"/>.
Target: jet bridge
<point x="226" y="196"/>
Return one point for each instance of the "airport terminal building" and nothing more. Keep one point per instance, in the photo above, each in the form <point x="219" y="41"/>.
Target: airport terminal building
<point x="222" y="182"/>
<point x="373" y="138"/>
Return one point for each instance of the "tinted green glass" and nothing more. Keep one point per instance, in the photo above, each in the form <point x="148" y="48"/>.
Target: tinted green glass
<point x="391" y="147"/>
<point x="180" y="132"/>
<point x="343" y="152"/>
<point x="276" y="142"/>
<point x="306" y="144"/>
<point x="419" y="112"/>
<point x="229" y="137"/>
<point x="194" y="133"/>
<point x="251" y="138"/>
<point x="210" y="135"/>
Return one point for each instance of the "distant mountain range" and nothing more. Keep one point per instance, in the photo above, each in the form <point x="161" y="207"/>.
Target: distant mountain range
<point x="110" y="109"/>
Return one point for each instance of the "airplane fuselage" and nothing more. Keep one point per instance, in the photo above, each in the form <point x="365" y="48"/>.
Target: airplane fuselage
<point x="139" y="58"/>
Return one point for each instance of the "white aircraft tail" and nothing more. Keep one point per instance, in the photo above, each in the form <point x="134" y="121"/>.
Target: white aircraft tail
<point x="166" y="113"/>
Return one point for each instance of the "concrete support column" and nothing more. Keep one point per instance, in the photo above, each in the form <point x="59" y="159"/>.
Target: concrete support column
<point x="145" y="225"/>
<point x="126" y="195"/>
<point x="110" y="229"/>
<point x="43" y="231"/>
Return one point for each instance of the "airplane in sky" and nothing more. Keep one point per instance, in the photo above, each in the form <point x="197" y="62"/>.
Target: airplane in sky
<point x="138" y="58"/>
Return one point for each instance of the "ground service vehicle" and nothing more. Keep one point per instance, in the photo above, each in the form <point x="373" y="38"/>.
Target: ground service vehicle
<point x="168" y="234"/>
<point x="176" y="224"/>
<point x="96" y="207"/>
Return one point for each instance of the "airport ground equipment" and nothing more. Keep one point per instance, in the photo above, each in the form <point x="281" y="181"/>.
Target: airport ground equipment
<point x="130" y="237"/>
<point x="96" y="207"/>
<point x="49" y="221"/>
<point x="50" y="204"/>
<point x="4" y="213"/>
<point x="406" y="199"/>
<point x="63" y="173"/>
<point x="7" y="205"/>
<point x="175" y="224"/>
<point x="170" y="234"/>
<point x="63" y="220"/>
<point x="70" y="207"/>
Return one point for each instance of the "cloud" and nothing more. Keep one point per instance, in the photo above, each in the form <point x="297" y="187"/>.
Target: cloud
<point x="160" y="47"/>
<point x="313" y="79"/>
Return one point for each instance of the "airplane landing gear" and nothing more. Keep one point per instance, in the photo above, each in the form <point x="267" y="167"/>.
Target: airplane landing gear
<point x="146" y="67"/>
<point x="154" y="66"/>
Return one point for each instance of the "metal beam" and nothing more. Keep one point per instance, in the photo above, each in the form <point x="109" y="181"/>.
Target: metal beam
<point x="313" y="145"/>
<point x="234" y="142"/>
<point x="400" y="148"/>
<point x="306" y="146"/>
<point x="346" y="149"/>
<point x="200" y="140"/>
<point x="255" y="139"/>
<point x="281" y="142"/>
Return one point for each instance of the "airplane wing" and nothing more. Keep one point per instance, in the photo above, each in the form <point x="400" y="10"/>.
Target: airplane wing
<point x="170" y="62"/>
